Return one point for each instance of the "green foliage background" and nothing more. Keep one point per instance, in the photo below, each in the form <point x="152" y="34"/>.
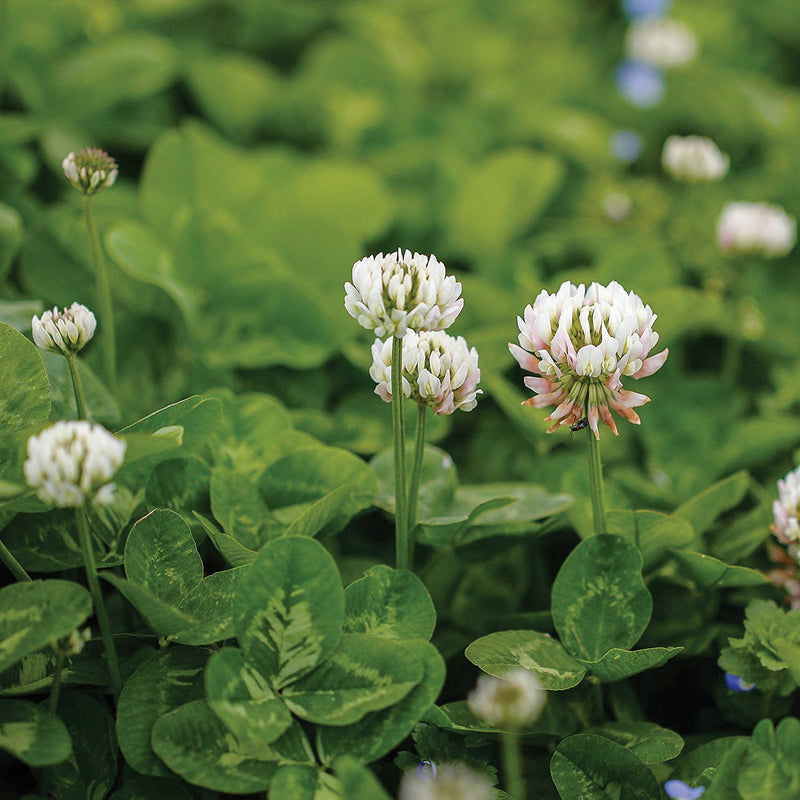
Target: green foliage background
<point x="264" y="146"/>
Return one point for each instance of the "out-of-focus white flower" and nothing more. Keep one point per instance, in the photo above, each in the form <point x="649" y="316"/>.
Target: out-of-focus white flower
<point x="449" y="782"/>
<point x="694" y="158"/>
<point x="511" y="702"/>
<point x="616" y="205"/>
<point x="65" y="331"/>
<point x="439" y="371"/>
<point x="70" y="463"/>
<point x="786" y="508"/>
<point x="391" y="294"/>
<point x="580" y="343"/>
<point x="756" y="228"/>
<point x="661" y="42"/>
<point x="90" y="170"/>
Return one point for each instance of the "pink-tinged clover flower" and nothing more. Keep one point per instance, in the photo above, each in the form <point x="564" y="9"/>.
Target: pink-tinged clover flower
<point x="439" y="371"/>
<point x="391" y="294"/>
<point x="580" y="343"/>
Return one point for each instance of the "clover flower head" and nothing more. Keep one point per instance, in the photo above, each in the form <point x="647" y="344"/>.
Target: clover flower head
<point x="73" y="643"/>
<point x="65" y="331"/>
<point x="786" y="508"/>
<point x="661" y="42"/>
<point x="90" y="170"/>
<point x="678" y="790"/>
<point x="513" y="701"/>
<point x="757" y="229"/>
<point x="439" y="371"/>
<point x="737" y="684"/>
<point x="580" y="343"/>
<point x="70" y="463"/>
<point x="694" y="159"/>
<point x="447" y="782"/>
<point x="391" y="294"/>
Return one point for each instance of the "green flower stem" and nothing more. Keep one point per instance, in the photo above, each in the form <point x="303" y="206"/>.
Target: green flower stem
<point x="13" y="565"/>
<point x="99" y="605"/>
<point x="596" y="484"/>
<point x="416" y="474"/>
<point x="55" y="688"/>
<point x="80" y="398"/>
<point x="512" y="765"/>
<point x="104" y="304"/>
<point x="399" y="431"/>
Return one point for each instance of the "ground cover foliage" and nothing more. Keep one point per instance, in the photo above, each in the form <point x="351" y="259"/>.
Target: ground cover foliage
<point x="263" y="148"/>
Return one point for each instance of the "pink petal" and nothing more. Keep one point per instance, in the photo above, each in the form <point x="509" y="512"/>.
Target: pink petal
<point x="652" y="364"/>
<point x="525" y="359"/>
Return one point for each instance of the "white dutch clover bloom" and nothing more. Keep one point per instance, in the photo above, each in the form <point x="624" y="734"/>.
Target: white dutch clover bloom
<point x="447" y="782"/>
<point x="510" y="702"/>
<point x="71" y="463"/>
<point x="757" y="229"/>
<point x="785" y="509"/>
<point x="65" y="331"/>
<point x="439" y="371"/>
<point x="90" y="170"/>
<point x="580" y="343"/>
<point x="693" y="159"/>
<point x="73" y="644"/>
<point x="661" y="42"/>
<point x="391" y="294"/>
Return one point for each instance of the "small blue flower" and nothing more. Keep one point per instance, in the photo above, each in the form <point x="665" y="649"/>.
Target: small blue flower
<point x="642" y="85"/>
<point x="636" y="9"/>
<point x="678" y="790"/>
<point x="625" y="146"/>
<point x="427" y="769"/>
<point x="737" y="684"/>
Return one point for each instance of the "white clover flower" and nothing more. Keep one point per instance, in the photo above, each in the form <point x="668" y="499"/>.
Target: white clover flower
<point x="70" y="463"/>
<point x="661" y="42"/>
<point x="756" y="228"/>
<point x="439" y="371"/>
<point x="73" y="644"/>
<point x="447" y="782"/>
<point x="65" y="331"/>
<point x="90" y="170"/>
<point x="580" y="343"/>
<point x="693" y="159"/>
<point x="785" y="510"/>
<point x="511" y="702"/>
<point x="393" y="293"/>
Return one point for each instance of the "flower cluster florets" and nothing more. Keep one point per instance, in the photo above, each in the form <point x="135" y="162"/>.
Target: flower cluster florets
<point x="756" y="229"/>
<point x="446" y="782"/>
<point x="580" y="343"/>
<point x="90" y="170"/>
<point x="661" y="42"/>
<point x="510" y="702"/>
<point x="694" y="159"/>
<point x="391" y="294"/>
<point x="65" y="331"/>
<point x="786" y="508"/>
<point x="439" y="371"/>
<point x="70" y="463"/>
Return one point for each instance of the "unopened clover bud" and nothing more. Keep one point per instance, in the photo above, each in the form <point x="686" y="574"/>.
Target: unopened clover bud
<point x="510" y="702"/>
<point x="65" y="331"/>
<point x="71" y="463"/>
<point x="694" y="159"/>
<point x="391" y="294"/>
<point x="445" y="782"/>
<point x="90" y="170"/>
